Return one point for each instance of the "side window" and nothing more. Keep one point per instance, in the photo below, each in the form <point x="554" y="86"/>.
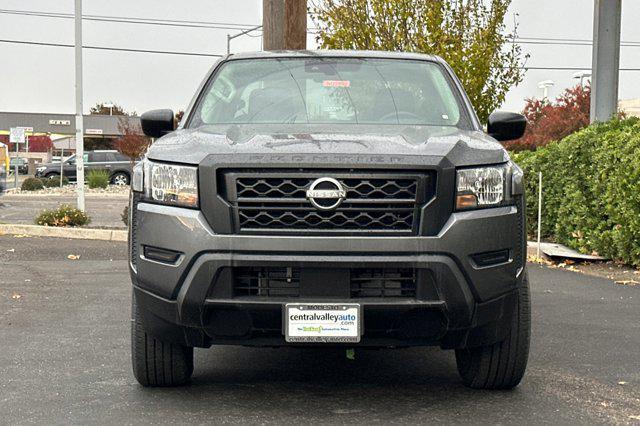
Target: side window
<point x="96" y="157"/>
<point x="111" y="157"/>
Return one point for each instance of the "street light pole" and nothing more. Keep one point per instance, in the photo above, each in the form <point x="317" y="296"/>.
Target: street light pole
<point x="544" y="85"/>
<point x="231" y="37"/>
<point x="79" y="122"/>
<point x="110" y="106"/>
<point x="582" y="76"/>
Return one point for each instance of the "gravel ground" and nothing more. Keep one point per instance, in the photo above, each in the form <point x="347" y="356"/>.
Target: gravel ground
<point x="70" y="190"/>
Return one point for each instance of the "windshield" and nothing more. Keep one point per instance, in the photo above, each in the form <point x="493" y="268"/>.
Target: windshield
<point x="330" y="91"/>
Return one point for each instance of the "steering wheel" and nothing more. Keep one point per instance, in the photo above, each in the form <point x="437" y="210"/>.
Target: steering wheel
<point x="405" y="114"/>
<point x="219" y="92"/>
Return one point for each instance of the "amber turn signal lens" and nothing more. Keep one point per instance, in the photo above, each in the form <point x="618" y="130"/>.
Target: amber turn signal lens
<point x="466" y="201"/>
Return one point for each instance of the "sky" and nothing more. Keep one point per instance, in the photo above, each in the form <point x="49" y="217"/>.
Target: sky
<point x="41" y="78"/>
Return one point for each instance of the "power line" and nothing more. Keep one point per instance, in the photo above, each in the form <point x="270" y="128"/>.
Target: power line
<point x="132" y="20"/>
<point x="580" y="40"/>
<point x="570" y="68"/>
<point x="214" y="55"/>
<point x="568" y="43"/>
<point x="240" y="27"/>
<point x="115" y="49"/>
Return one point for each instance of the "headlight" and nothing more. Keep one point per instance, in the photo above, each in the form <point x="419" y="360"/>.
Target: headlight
<point x="480" y="187"/>
<point x="167" y="183"/>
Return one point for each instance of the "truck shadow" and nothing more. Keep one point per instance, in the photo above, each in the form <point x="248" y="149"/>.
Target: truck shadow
<point x="323" y="386"/>
<point x="325" y="366"/>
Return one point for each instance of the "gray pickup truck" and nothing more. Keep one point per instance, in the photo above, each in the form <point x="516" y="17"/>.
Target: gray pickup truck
<point x="328" y="198"/>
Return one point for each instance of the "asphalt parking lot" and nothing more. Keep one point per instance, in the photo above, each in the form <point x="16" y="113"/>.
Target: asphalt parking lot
<point x="64" y="358"/>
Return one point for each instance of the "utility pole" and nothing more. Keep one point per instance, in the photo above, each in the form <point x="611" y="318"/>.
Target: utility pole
<point x="284" y="24"/>
<point x="79" y="122"/>
<point x="605" y="59"/>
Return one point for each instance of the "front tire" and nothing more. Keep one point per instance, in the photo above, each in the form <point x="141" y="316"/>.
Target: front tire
<point x="157" y="363"/>
<point x="501" y="365"/>
<point x="120" y="179"/>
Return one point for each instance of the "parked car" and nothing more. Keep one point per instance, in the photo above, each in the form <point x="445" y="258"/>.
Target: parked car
<point x="347" y="199"/>
<point x="3" y="180"/>
<point x="22" y="163"/>
<point x="118" y="166"/>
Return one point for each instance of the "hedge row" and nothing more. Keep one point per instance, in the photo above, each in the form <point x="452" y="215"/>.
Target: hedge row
<point x="34" y="184"/>
<point x="591" y="190"/>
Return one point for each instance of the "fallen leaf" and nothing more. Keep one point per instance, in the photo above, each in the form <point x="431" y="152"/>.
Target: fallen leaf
<point x="73" y="257"/>
<point x="539" y="260"/>
<point x="16" y="296"/>
<point x="635" y="417"/>
<point x="569" y="262"/>
<point x="20" y="236"/>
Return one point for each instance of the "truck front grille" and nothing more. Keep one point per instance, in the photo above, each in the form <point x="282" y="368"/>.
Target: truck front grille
<point x="392" y="218"/>
<point x="275" y="202"/>
<point x="363" y="282"/>
<point x="274" y="282"/>
<point x="383" y="282"/>
<point x="362" y="189"/>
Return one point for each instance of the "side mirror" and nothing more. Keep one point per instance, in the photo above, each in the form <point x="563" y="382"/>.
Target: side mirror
<point x="506" y="126"/>
<point x="157" y="122"/>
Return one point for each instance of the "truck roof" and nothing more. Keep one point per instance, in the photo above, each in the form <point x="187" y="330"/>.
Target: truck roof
<point x="332" y="54"/>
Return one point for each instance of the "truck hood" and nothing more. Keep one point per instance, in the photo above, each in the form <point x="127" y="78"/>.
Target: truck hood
<point x="460" y="147"/>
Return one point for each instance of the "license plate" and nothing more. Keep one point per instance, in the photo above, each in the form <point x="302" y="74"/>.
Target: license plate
<point x="322" y="323"/>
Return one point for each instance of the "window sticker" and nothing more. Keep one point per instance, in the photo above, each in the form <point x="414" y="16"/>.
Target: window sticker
<point x="336" y="83"/>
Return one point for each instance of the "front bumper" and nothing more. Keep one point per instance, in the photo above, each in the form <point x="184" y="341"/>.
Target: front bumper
<point x="457" y="303"/>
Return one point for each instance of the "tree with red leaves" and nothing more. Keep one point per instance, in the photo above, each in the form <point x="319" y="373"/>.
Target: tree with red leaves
<point x="132" y="143"/>
<point x="552" y="121"/>
<point x="37" y="143"/>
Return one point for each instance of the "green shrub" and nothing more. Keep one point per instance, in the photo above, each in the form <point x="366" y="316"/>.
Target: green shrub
<point x="98" y="178"/>
<point x="32" y="184"/>
<point x="591" y="189"/>
<point x="64" y="216"/>
<point x="54" y="181"/>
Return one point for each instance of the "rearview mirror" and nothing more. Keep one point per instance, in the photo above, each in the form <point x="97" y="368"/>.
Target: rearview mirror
<point x="506" y="126"/>
<point x="157" y="122"/>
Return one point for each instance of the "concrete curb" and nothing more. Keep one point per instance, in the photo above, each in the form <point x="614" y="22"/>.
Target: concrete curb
<point x="75" y="233"/>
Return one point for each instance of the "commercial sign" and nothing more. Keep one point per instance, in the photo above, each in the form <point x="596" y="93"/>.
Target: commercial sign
<point x="17" y="135"/>
<point x="60" y="122"/>
<point x="93" y="131"/>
